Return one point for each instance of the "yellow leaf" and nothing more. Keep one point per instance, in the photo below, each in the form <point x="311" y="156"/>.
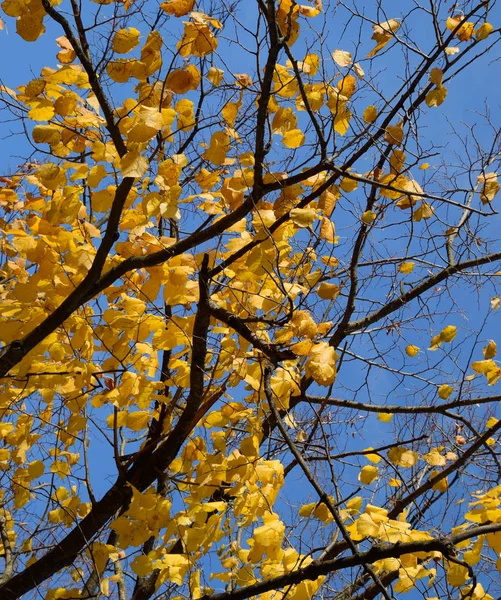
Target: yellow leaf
<point x="46" y="134"/>
<point x="368" y="474"/>
<point x="328" y="291"/>
<point x="446" y="335"/>
<point x="293" y="138"/>
<point x="406" y="267"/>
<point x="394" y="134"/>
<point x="36" y="469"/>
<point x="436" y="97"/>
<point x="484" y="31"/>
<point x="181" y="81"/>
<point x="342" y="120"/>
<point x="434" y="458"/>
<point x="491" y="422"/>
<point x="120" y="70"/>
<point x="403" y="457"/>
<point x="490" y="350"/>
<point x="215" y="75"/>
<point x="383" y="33"/>
<point x="368" y="217"/>
<point x="178" y="8"/>
<point x="142" y="565"/>
<point x="495" y="303"/>
<point x="133" y="164"/>
<point x="41" y="110"/>
<point x="303" y="217"/>
<point x="310" y="64"/>
<point x="347" y="86"/>
<point x="374" y="458"/>
<point x="490" y="187"/>
<point x="341" y="58"/>
<point x="125" y="40"/>
<point x="30" y="26"/>
<point x="328" y="231"/>
<point x="425" y="211"/>
<point x="385" y="417"/>
<point x="441" y="485"/>
<point x="483" y="366"/>
<point x="218" y="148"/>
<point x="411" y="350"/>
<point x="321" y="365"/>
<point x="138" y="420"/>
<point x="370" y="114"/>
<point x="444" y="391"/>
<point x="457" y="575"/>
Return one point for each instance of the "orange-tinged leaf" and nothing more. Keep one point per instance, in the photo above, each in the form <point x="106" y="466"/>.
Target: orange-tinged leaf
<point x="30" y="26"/>
<point x="178" y="8"/>
<point x="490" y="350"/>
<point x="328" y="291"/>
<point x="181" y="81"/>
<point x="120" y="70"/>
<point x="328" y="231"/>
<point x="370" y="114"/>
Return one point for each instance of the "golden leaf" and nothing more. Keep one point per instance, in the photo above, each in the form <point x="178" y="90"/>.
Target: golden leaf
<point x="133" y="164"/>
<point x="368" y="474"/>
<point x="125" y="40"/>
<point x="293" y="138"/>
<point x="178" y="8"/>
<point x="412" y="350"/>
<point x="370" y="114"/>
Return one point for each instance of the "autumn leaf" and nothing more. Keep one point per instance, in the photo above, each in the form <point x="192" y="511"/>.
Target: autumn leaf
<point x="342" y="58"/>
<point x="133" y="164"/>
<point x="368" y="474"/>
<point x="125" y="40"/>
<point x="178" y="8"/>
<point x="383" y="33"/>
<point x="293" y="138"/>
<point x="321" y="364"/>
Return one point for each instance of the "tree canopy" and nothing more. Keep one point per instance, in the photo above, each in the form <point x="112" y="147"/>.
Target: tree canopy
<point x="249" y="275"/>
